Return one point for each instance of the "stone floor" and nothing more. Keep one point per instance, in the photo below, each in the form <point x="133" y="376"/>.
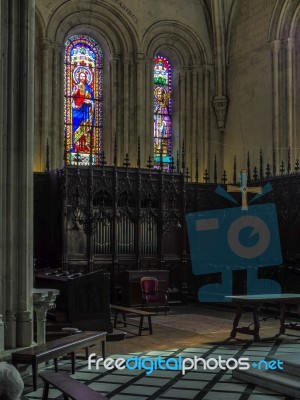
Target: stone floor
<point x="168" y="342"/>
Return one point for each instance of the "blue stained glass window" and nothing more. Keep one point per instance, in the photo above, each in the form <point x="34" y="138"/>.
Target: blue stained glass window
<point x="83" y="100"/>
<point x="162" y="113"/>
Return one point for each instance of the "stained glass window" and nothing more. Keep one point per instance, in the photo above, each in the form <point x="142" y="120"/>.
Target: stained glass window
<point x="162" y="113"/>
<point x="83" y="100"/>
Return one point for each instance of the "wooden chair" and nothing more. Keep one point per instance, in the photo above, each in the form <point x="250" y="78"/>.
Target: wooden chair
<point x="151" y="295"/>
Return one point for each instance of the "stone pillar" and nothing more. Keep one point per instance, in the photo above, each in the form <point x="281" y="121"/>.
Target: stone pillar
<point x="194" y="111"/>
<point x="57" y="129"/>
<point x="17" y="179"/>
<point x="275" y="46"/>
<point x="149" y="147"/>
<point x="1" y="334"/>
<point x="290" y="95"/>
<point x="43" y="300"/>
<point x="126" y="97"/>
<point x="182" y="94"/>
<point x="206" y="137"/>
<point x="140" y="108"/>
<point x="188" y="121"/>
<point x="220" y="101"/>
<point x="46" y="101"/>
<point x="25" y="176"/>
<point x="113" y="110"/>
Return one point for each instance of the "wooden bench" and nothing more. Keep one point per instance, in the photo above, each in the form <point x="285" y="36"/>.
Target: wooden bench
<point x="128" y="310"/>
<point x="69" y="387"/>
<point x="56" y="348"/>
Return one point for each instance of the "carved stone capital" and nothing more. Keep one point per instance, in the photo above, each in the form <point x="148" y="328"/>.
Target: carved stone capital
<point x="140" y="58"/>
<point x="43" y="300"/>
<point x="115" y="57"/>
<point x="220" y="104"/>
<point x="126" y="58"/>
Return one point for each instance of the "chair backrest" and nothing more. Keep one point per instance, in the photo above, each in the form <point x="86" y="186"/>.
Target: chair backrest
<point x="149" y="284"/>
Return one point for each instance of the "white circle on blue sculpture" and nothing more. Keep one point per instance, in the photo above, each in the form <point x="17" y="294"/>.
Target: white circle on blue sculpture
<point x="259" y="227"/>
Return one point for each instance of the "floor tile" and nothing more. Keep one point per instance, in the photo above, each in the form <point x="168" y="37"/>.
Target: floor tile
<point x="103" y="387"/>
<point x="180" y="394"/>
<point x="212" y="395"/>
<point x="141" y="390"/>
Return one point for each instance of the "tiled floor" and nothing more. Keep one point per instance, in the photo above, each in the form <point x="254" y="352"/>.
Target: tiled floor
<point x="197" y="384"/>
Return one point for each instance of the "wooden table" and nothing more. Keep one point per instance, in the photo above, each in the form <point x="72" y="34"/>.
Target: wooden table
<point x="255" y="301"/>
<point x="56" y="348"/>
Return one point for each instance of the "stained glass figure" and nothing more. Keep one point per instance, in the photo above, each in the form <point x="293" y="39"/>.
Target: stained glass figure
<point x="162" y="113"/>
<point x="83" y="100"/>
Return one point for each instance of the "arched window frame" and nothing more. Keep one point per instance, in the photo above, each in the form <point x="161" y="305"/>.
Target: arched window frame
<point x="83" y="110"/>
<point x="162" y="113"/>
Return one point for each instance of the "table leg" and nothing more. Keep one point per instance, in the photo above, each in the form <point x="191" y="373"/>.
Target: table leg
<point x="236" y="321"/>
<point x="73" y="361"/>
<point x="34" y="375"/>
<point x="55" y="364"/>
<point x="124" y="320"/>
<point x="103" y="348"/>
<point x="141" y="325"/>
<point x="282" y="317"/>
<point x="45" y="391"/>
<point x="150" y="324"/>
<point x="116" y="319"/>
<point x="256" y="324"/>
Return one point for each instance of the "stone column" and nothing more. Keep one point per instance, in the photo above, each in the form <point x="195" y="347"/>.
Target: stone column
<point x="10" y="172"/>
<point x="140" y="108"/>
<point x="206" y="137"/>
<point x="18" y="177"/>
<point x="182" y="94"/>
<point x="188" y="121"/>
<point x="126" y="97"/>
<point x="220" y="101"/>
<point x="1" y="334"/>
<point x="46" y="100"/>
<point x="275" y="47"/>
<point x="43" y="300"/>
<point x="149" y="95"/>
<point x="3" y="73"/>
<point x="114" y="100"/>
<point x="25" y="176"/>
<point x="290" y="95"/>
<point x="57" y="128"/>
<point x="194" y="111"/>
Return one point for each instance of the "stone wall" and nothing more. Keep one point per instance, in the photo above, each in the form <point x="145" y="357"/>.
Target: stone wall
<point x="249" y="68"/>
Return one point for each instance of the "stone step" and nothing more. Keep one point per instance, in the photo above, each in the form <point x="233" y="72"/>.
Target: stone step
<point x="275" y="381"/>
<point x="291" y="363"/>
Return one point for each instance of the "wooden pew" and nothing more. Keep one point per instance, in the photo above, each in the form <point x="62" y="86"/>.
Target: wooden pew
<point x="70" y="388"/>
<point x="128" y="310"/>
<point x="57" y="348"/>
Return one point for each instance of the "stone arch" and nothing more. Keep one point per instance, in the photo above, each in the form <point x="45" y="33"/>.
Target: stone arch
<point x="116" y="36"/>
<point x="104" y="18"/>
<point x="40" y="26"/>
<point x="281" y="20"/>
<point x="185" y="42"/>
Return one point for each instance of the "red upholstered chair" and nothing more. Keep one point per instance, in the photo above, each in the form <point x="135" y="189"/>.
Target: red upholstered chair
<point x="151" y="295"/>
